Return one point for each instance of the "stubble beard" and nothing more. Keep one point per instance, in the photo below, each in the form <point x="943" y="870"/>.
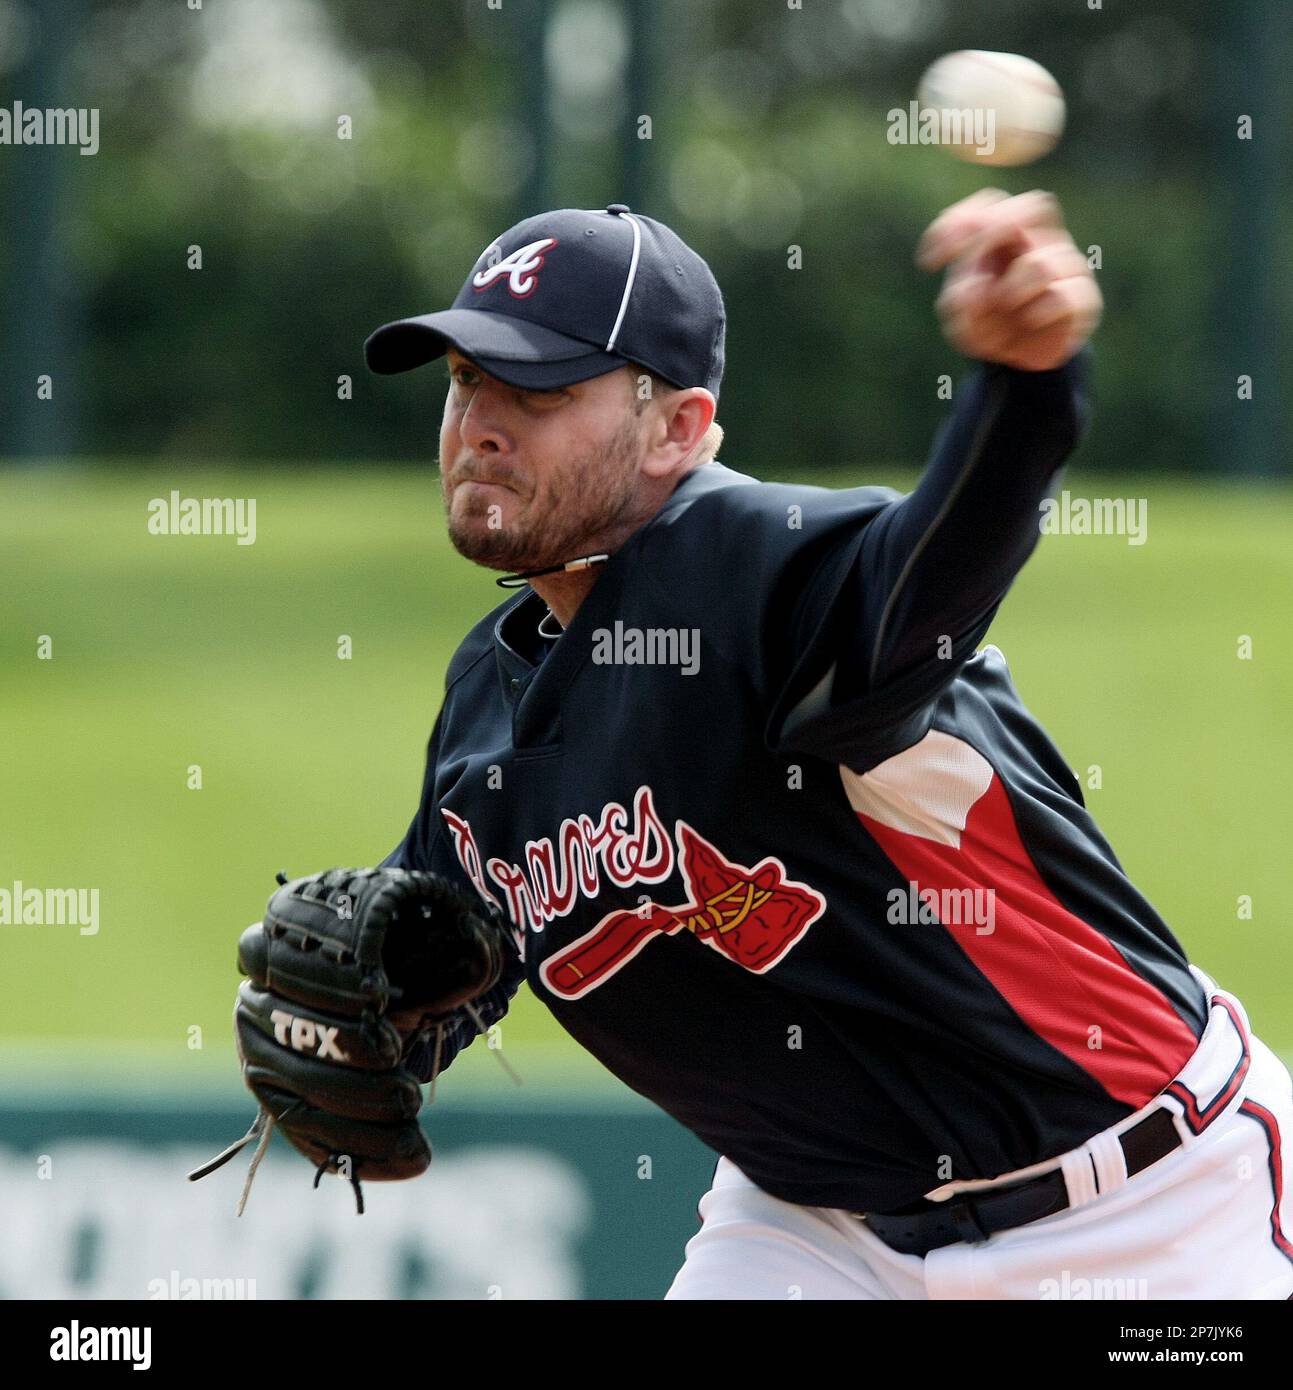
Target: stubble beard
<point x="591" y="501"/>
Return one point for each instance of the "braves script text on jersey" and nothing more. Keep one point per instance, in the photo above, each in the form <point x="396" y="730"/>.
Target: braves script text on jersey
<point x="788" y="854"/>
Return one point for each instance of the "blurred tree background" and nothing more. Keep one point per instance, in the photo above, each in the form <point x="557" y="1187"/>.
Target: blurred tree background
<point x="219" y="130"/>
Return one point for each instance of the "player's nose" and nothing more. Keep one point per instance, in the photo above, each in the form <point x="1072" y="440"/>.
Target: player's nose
<point x="482" y="426"/>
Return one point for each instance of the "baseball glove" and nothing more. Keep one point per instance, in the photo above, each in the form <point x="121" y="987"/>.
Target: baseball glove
<point x="347" y="972"/>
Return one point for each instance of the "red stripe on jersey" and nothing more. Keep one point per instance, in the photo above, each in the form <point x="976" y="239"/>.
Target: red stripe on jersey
<point x="1060" y="975"/>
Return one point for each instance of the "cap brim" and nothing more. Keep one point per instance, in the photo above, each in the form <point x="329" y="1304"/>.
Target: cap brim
<point x="515" y="351"/>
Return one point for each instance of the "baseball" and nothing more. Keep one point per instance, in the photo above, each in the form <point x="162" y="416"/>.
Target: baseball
<point x="993" y="108"/>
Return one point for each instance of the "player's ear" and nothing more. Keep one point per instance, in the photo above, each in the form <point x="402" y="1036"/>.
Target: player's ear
<point x="683" y="419"/>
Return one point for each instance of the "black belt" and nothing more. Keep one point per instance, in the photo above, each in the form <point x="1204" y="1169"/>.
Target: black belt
<point x="926" y="1225"/>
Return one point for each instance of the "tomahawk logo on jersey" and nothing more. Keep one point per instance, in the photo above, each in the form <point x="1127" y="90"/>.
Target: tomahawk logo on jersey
<point x="753" y="915"/>
<point x="699" y="867"/>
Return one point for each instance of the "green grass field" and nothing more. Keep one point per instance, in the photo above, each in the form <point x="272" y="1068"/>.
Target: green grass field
<point x="175" y="651"/>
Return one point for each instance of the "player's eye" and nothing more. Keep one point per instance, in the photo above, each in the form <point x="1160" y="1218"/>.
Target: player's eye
<point x="469" y="378"/>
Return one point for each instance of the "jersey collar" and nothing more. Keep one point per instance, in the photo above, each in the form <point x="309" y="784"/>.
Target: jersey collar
<point x="534" y="689"/>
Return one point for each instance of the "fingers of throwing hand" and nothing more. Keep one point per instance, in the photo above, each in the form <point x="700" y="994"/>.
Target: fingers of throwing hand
<point x="1050" y="323"/>
<point x="955" y="227"/>
<point x="978" y="229"/>
<point x="1075" y="300"/>
<point x="1030" y="273"/>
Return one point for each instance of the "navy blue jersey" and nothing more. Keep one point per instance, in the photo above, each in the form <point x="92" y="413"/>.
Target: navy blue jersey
<point x="784" y="850"/>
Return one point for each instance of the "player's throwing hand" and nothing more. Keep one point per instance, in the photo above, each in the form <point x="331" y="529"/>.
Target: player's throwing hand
<point x="1017" y="289"/>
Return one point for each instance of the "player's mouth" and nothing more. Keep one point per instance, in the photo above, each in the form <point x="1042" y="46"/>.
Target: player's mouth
<point x="484" y="480"/>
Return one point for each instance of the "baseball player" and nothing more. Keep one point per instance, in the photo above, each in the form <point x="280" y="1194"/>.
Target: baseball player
<point x="768" y="829"/>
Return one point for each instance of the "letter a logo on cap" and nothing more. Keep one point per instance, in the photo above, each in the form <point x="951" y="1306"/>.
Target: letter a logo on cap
<point x="521" y="269"/>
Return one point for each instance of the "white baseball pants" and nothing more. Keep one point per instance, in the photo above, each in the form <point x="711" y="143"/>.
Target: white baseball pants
<point x="1211" y="1220"/>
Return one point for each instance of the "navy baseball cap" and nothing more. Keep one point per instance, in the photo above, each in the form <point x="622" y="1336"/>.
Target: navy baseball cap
<point x="573" y="294"/>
